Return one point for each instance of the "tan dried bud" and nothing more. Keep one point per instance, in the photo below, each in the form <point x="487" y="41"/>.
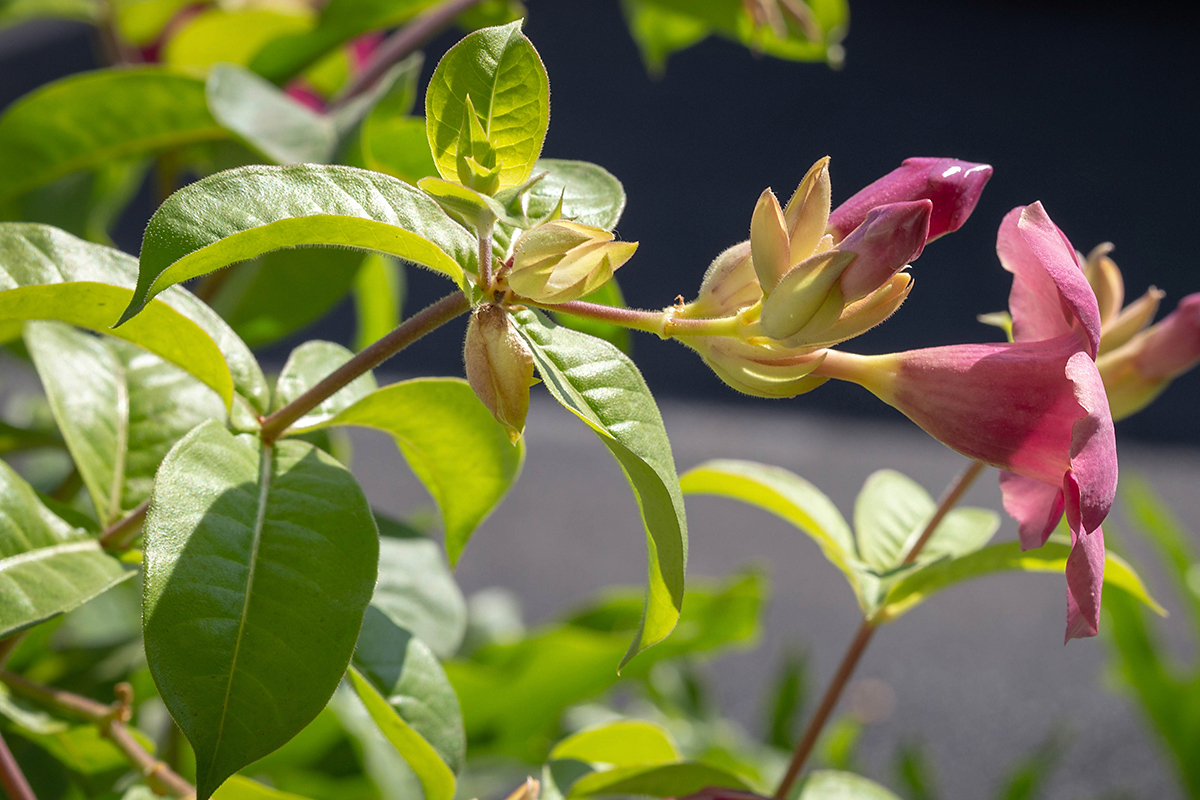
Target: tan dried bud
<point x="528" y="790"/>
<point x="561" y="261"/>
<point x="499" y="367"/>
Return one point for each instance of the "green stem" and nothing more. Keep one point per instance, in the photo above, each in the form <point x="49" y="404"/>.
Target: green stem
<point x="118" y="536"/>
<point x="862" y="638"/>
<point x="11" y="777"/>
<point x="660" y="323"/>
<point x="425" y="321"/>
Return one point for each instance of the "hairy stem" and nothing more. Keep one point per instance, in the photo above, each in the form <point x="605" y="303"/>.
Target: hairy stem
<point x="11" y="777"/>
<point x="862" y="638"/>
<point x="110" y="720"/>
<point x="120" y="534"/>
<point x="403" y="43"/>
<point x="428" y="319"/>
<point x="660" y="323"/>
<point x="485" y="261"/>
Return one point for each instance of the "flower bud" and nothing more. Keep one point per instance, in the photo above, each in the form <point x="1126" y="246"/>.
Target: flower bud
<point x="769" y="245"/>
<point x="764" y="369"/>
<point x="1138" y="371"/>
<point x="561" y="261"/>
<point x="1105" y="278"/>
<point x="807" y="213"/>
<point x="808" y="294"/>
<point x="499" y="367"/>
<point x="1134" y="317"/>
<point x="730" y="284"/>
<point x="888" y="239"/>
<point x="952" y="186"/>
<point x="857" y="318"/>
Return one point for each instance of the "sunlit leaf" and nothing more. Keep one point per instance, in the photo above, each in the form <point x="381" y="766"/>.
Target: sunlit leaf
<point x="620" y="744"/>
<point x="308" y="365"/>
<point x="142" y="21"/>
<point x="827" y="784"/>
<point x="217" y="35"/>
<point x="656" y="780"/>
<point x="240" y="788"/>
<point x="379" y="289"/>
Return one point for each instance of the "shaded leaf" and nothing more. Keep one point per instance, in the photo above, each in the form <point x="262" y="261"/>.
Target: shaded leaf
<point x="379" y="289"/>
<point x="13" y="438"/>
<point x="656" y="780"/>
<point x="259" y="563"/>
<point x="827" y="784"/>
<point x="600" y="385"/>
<point x="397" y="145"/>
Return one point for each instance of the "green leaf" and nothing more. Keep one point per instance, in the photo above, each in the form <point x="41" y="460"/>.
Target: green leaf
<point x="600" y="385"/>
<point x="47" y="567"/>
<point x="26" y="717"/>
<point x="379" y="289"/>
<point x="239" y="788"/>
<point x="656" y="780"/>
<point x="786" y="495"/>
<point x="398" y="146"/>
<point x="917" y="586"/>
<point x="503" y="75"/>
<point x="141" y="21"/>
<point x="281" y="292"/>
<point x="14" y="12"/>
<point x="827" y="784"/>
<point x="14" y="439"/>
<point x="216" y="35"/>
<point x="120" y="409"/>
<point x="87" y="120"/>
<point x="243" y="213"/>
<point x="340" y="21"/>
<point x="259" y="563"/>
<point x="47" y="274"/>
<point x="308" y="365"/>
<point x="451" y="442"/>
<point x="283" y="129"/>
<point x="86" y="204"/>
<point x="590" y="194"/>
<point x="660" y="32"/>
<point x="622" y="743"/>
<point x="417" y="591"/>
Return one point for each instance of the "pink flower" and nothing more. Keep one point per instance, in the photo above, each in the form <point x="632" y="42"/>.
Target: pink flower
<point x="1036" y="407"/>
<point x="1139" y="370"/>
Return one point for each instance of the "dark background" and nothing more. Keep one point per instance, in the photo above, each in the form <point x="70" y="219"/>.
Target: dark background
<point x="1092" y="108"/>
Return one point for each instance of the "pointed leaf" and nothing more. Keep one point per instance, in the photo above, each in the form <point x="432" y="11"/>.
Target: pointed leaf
<point x="452" y="443"/>
<point x="417" y="591"/>
<point x="600" y="385"/>
<point x="259" y="563"/>
<point x="87" y="120"/>
<point x="240" y="788"/>
<point x="656" y="780"/>
<point x="504" y="77"/>
<point x="620" y="744"/>
<point x="243" y="213"/>
<point x="48" y="274"/>
<point x="47" y="567"/>
<point x="308" y="365"/>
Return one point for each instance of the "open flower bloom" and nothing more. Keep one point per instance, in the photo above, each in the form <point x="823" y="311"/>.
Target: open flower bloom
<point x="1034" y="407"/>
<point x="802" y="283"/>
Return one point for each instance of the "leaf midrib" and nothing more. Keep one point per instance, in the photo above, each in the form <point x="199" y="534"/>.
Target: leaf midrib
<point x="116" y="488"/>
<point x="48" y="552"/>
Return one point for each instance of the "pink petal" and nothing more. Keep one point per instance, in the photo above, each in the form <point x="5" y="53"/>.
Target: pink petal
<point x="1085" y="580"/>
<point x="1093" y="448"/>
<point x="1050" y="294"/>
<point x="1037" y="507"/>
<point x="889" y="238"/>
<point x="953" y="186"/>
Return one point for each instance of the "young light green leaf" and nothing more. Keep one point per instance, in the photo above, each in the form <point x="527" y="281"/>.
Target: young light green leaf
<point x="15" y="12"/>
<point x="120" y="409"/>
<point x="259" y="564"/>
<point x="83" y="750"/>
<point x="284" y="130"/>
<point x="656" y="780"/>
<point x="308" y="365"/>
<point x="47" y="567"/>
<point x="243" y="213"/>
<point x="406" y="675"/>
<point x="379" y="289"/>
<point x="142" y="21"/>
<point x="501" y="72"/>
<point x="590" y="194"/>
<point x="397" y="145"/>
<point x="619" y="744"/>
<point x="451" y="442"/>
<point x="48" y="274"/>
<point x="827" y="784"/>
<point x="417" y="591"/>
<point x="600" y="385"/>
<point x="217" y="35"/>
<point x="87" y="120"/>
<point x="240" y="788"/>
<point x="787" y="496"/>
<point x="915" y="587"/>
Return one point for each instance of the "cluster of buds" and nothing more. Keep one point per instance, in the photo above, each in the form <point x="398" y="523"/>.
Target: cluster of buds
<point x="810" y="278"/>
<point x="560" y="261"/>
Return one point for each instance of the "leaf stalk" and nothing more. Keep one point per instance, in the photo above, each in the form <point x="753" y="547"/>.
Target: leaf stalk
<point x="11" y="777"/>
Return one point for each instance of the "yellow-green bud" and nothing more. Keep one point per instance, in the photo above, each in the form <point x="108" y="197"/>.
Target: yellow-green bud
<point x="499" y="367"/>
<point x="561" y="261"/>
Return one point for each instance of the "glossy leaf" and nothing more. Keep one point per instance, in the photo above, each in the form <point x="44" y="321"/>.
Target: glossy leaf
<point x="244" y="213"/>
<point x="827" y="784"/>
<point x="308" y="365"/>
<point x="379" y="289"/>
<point x="504" y="77"/>
<point x="917" y="586"/>
<point x="283" y="129"/>
<point x="656" y="780"/>
<point x="416" y="590"/>
<point x="119" y="408"/>
<point x="93" y="118"/>
<point x="621" y="743"/>
<point x="47" y="566"/>
<point x="259" y="564"/>
<point x="216" y="35"/>
<point x="600" y="385"/>
<point x="451" y="442"/>
<point x="47" y="274"/>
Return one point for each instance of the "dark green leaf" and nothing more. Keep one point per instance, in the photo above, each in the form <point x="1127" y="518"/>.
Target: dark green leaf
<point x="259" y="563"/>
<point x="244" y="213"/>
<point x="120" y="409"/>
<point x="86" y="204"/>
<point x="417" y="591"/>
<point x="590" y="194"/>
<point x="308" y="365"/>
<point x="452" y="443"/>
<point x="787" y="701"/>
<point x="501" y="72"/>
<point x="601" y="386"/>
<point x="47" y="567"/>
<point x="283" y="129"/>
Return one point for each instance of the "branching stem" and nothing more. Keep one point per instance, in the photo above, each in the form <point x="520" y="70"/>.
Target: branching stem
<point x="862" y="638"/>
<point x="660" y="323"/>
<point x="428" y="319"/>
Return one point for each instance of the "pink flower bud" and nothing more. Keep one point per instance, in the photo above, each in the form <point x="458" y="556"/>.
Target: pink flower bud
<point x="1138" y="371"/>
<point x="953" y="187"/>
<point x="887" y="240"/>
